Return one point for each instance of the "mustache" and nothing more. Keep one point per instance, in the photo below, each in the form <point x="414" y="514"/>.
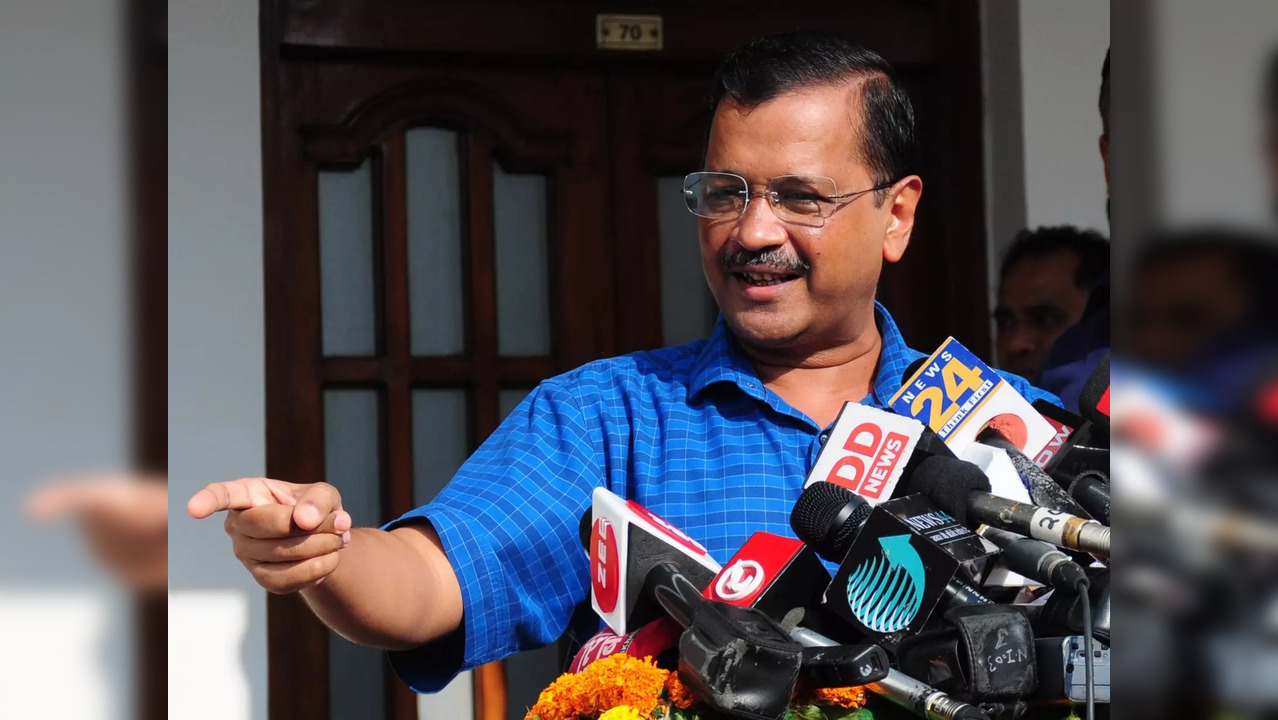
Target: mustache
<point x="773" y="257"/>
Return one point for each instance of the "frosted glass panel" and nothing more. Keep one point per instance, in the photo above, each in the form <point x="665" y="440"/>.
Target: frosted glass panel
<point x="434" y="242"/>
<point x="523" y="284"/>
<point x="439" y="440"/>
<point x="508" y="399"/>
<point x="687" y="308"/>
<point x="347" y="302"/>
<point x="352" y="465"/>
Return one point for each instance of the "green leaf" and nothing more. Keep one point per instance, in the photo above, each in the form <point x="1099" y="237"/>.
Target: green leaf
<point x="808" y="712"/>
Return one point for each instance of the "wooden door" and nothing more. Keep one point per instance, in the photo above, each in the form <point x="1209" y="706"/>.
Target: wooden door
<point x="403" y="287"/>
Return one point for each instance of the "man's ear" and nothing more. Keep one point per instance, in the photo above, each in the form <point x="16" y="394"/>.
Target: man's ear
<point x="903" y="198"/>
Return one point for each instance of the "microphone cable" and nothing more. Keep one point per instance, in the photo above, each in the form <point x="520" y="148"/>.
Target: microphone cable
<point x="1087" y="648"/>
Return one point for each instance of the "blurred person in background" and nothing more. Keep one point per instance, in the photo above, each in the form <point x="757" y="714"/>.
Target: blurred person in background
<point x="1201" y="307"/>
<point x="1046" y="278"/>
<point x="1078" y="350"/>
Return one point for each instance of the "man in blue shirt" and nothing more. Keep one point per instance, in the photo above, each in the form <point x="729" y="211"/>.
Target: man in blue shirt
<point x="806" y="192"/>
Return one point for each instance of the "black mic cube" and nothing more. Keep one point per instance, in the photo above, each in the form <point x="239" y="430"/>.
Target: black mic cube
<point x="891" y="579"/>
<point x="739" y="662"/>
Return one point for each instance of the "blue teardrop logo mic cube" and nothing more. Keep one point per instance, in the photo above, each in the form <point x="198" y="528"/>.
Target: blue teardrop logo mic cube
<point x="886" y="592"/>
<point x="892" y="578"/>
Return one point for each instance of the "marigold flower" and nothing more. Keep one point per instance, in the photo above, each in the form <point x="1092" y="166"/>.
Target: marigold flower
<point x="621" y="712"/>
<point x="847" y="697"/>
<point x="678" y="693"/>
<point x="607" y="683"/>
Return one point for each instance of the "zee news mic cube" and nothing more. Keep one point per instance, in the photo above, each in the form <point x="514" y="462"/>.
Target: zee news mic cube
<point x="626" y="541"/>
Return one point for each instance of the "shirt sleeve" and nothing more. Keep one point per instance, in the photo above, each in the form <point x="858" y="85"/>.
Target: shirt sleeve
<point x="508" y="522"/>
<point x="1028" y="391"/>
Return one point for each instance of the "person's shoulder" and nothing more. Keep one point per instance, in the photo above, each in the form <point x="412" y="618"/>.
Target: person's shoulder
<point x="667" y="366"/>
<point x="1028" y="390"/>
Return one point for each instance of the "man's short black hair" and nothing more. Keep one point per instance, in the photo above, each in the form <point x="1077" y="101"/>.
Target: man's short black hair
<point x="1091" y="248"/>
<point x="775" y="65"/>
<point x="1252" y="254"/>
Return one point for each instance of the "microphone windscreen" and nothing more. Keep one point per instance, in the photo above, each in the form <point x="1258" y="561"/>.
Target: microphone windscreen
<point x="912" y="368"/>
<point x="947" y="482"/>
<point x="827" y="517"/>
<point x="583" y="529"/>
<point x="929" y="444"/>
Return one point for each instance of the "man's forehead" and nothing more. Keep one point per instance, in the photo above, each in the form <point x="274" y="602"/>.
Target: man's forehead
<point x="813" y="127"/>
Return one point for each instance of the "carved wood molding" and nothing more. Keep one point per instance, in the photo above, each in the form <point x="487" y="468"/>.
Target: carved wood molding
<point x="432" y="103"/>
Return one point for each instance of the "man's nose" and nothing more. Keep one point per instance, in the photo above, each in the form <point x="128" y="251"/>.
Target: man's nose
<point x="759" y="227"/>
<point x="1020" y="339"/>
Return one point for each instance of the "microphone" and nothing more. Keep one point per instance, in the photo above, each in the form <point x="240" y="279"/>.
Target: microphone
<point x="890" y="576"/>
<point x="736" y="660"/>
<point x="626" y="542"/>
<point x="957" y="395"/>
<point x="864" y="449"/>
<point x="1091" y="490"/>
<point x="1093" y="401"/>
<point x="1036" y="559"/>
<point x="787" y="570"/>
<point x="1043" y="490"/>
<point x="771" y="573"/>
<point x="950" y="485"/>
<point x="783" y="578"/>
<point x="904" y="691"/>
<point x="655" y="640"/>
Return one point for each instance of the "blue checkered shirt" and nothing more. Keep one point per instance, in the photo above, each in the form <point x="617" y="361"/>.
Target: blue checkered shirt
<point x="689" y="432"/>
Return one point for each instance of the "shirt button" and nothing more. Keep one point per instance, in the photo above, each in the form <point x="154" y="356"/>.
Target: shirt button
<point x="823" y="437"/>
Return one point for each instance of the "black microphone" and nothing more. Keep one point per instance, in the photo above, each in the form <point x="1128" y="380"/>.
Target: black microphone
<point x="1036" y="559"/>
<point x="736" y="660"/>
<point x="954" y="486"/>
<point x="779" y="575"/>
<point x="829" y="518"/>
<point x="1093" y="401"/>
<point x="1043" y="490"/>
<point x="1091" y="490"/>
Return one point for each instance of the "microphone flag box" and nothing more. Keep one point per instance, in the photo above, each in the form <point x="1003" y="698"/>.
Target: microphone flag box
<point x="866" y="451"/>
<point x="891" y="578"/>
<point x="626" y="541"/>
<point x="938" y="526"/>
<point x="753" y="577"/>
<point x="958" y="396"/>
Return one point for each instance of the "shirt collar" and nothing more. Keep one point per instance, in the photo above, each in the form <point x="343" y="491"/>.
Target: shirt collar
<point x="722" y="360"/>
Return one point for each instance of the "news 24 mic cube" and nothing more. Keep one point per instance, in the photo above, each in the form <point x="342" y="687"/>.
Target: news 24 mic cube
<point x="958" y="396"/>
<point x="626" y="541"/>
<point x="866" y="451"/>
<point x="891" y="579"/>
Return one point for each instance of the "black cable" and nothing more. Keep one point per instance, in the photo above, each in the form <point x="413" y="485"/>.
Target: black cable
<point x="1087" y="648"/>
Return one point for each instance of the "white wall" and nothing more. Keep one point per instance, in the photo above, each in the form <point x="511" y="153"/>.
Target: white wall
<point x="1042" y="62"/>
<point x="1209" y="71"/>
<point x="217" y="615"/>
<point x="64" y="390"/>
<point x="1063" y="46"/>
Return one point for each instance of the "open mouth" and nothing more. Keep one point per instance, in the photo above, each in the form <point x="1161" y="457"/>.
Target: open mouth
<point x="764" y="279"/>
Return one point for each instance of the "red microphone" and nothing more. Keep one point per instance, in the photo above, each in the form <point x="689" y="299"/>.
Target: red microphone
<point x="651" y="640"/>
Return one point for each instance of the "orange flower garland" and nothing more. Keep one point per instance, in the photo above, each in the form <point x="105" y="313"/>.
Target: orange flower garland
<point x="635" y="688"/>
<point x="604" y="684"/>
